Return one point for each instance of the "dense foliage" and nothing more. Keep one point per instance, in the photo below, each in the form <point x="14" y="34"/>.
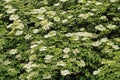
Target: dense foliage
<point x="59" y="39"/>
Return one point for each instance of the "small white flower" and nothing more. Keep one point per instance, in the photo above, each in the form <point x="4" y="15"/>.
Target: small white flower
<point x="81" y="63"/>
<point x="69" y="17"/>
<point x="40" y="17"/>
<point x="35" y="30"/>
<point x="110" y="26"/>
<point x="116" y="18"/>
<point x="8" y="7"/>
<point x="65" y="56"/>
<point x="110" y="43"/>
<point x="11" y="10"/>
<point x="57" y="19"/>
<point x="7" y="62"/>
<point x="43" y="48"/>
<point x="81" y="15"/>
<point x="90" y="13"/>
<point x="48" y="57"/>
<point x="38" y="11"/>
<point x="7" y="1"/>
<point x="57" y="4"/>
<point x="47" y="76"/>
<point x="13" y="51"/>
<point x="18" y="32"/>
<point x="68" y="34"/>
<point x="97" y="43"/>
<point x="76" y="38"/>
<point x="104" y="40"/>
<point x="28" y="36"/>
<point x="33" y="46"/>
<point x="30" y="65"/>
<point x="65" y="72"/>
<point x="75" y="51"/>
<point x="9" y="26"/>
<point x="18" y="56"/>
<point x="64" y="21"/>
<point x="115" y="47"/>
<point x="113" y="0"/>
<point x="14" y="17"/>
<point x="50" y="34"/>
<point x="96" y="72"/>
<point x="100" y="27"/>
<point x="98" y="3"/>
<point x="103" y="17"/>
<point x="61" y="63"/>
<point x="63" y="0"/>
<point x="81" y="1"/>
<point x="66" y="50"/>
<point x="20" y="26"/>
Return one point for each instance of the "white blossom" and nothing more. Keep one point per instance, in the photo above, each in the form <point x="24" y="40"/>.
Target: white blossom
<point x="57" y="4"/>
<point x="40" y="17"/>
<point x="47" y="76"/>
<point x="80" y="63"/>
<point x="48" y="57"/>
<point x="39" y="11"/>
<point x="28" y="36"/>
<point x="65" y="56"/>
<point x="14" y="17"/>
<point x="81" y="1"/>
<point x="8" y="6"/>
<point x="64" y="21"/>
<point x="75" y="51"/>
<point x="61" y="63"/>
<point x="110" y="26"/>
<point x="9" y="26"/>
<point x="7" y="62"/>
<point x="35" y="30"/>
<point x="65" y="72"/>
<point x="97" y="43"/>
<point x="7" y="1"/>
<point x="10" y="10"/>
<point x="96" y="72"/>
<point x="18" y="32"/>
<point x="68" y="34"/>
<point x="57" y="19"/>
<point x="43" y="48"/>
<point x="13" y="51"/>
<point x="33" y="46"/>
<point x="66" y="50"/>
<point x="20" y="26"/>
<point x="113" y="0"/>
<point x="98" y="3"/>
<point x="63" y="0"/>
<point x="30" y="65"/>
<point x="104" y="40"/>
<point x="110" y="43"/>
<point x="100" y="27"/>
<point x="115" y="47"/>
<point x="50" y="34"/>
<point x="103" y="17"/>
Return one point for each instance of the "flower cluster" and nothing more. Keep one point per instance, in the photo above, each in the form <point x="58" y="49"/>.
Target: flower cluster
<point x="59" y="39"/>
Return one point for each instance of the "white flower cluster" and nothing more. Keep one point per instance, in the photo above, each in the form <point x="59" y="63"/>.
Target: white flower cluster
<point x="65" y="72"/>
<point x="96" y="72"/>
<point x="50" y="34"/>
<point x="85" y="16"/>
<point x="100" y="27"/>
<point x="13" y="51"/>
<point x="80" y="34"/>
<point x="29" y="66"/>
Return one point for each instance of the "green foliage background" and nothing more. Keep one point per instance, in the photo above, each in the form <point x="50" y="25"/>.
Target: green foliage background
<point x="74" y="23"/>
